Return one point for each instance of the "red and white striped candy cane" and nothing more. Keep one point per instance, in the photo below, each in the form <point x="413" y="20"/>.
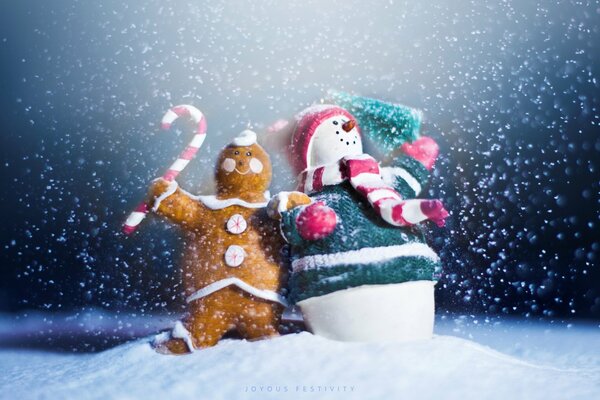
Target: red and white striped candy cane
<point x="184" y="110"/>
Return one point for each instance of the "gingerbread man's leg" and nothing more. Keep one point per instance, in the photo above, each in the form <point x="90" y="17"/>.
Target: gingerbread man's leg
<point x="206" y="324"/>
<point x="258" y="319"/>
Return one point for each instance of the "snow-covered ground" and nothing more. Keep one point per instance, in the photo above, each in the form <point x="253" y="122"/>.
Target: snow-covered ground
<point x="468" y="358"/>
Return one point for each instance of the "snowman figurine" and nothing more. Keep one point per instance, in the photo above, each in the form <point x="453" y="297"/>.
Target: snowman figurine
<point x="361" y="268"/>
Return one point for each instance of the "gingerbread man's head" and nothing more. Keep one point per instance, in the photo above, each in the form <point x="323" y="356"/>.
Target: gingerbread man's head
<point x="243" y="169"/>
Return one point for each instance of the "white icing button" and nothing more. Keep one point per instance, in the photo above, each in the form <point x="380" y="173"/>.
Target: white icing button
<point x="234" y="256"/>
<point x="236" y="224"/>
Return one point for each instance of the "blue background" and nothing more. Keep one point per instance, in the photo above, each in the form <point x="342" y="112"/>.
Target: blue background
<point x="509" y="89"/>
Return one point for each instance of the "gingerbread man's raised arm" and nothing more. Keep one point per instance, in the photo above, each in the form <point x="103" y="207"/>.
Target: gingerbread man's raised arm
<point x="177" y="206"/>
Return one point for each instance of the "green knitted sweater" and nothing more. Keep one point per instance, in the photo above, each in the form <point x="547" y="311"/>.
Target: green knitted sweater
<point x="363" y="249"/>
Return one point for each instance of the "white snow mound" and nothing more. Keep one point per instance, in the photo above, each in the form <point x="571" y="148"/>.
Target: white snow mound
<point x="298" y="366"/>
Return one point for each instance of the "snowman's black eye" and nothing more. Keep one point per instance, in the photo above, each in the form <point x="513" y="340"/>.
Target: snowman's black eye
<point x="237" y="153"/>
<point x="248" y="153"/>
<point x="337" y="132"/>
<point x="335" y="122"/>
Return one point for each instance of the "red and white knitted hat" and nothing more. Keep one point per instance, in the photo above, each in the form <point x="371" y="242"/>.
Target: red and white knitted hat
<point x="307" y="122"/>
<point x="295" y="138"/>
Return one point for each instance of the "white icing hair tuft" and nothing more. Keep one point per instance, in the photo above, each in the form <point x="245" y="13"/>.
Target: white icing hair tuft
<point x="246" y="138"/>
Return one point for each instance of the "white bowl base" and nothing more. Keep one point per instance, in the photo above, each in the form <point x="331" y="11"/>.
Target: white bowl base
<point x="372" y="313"/>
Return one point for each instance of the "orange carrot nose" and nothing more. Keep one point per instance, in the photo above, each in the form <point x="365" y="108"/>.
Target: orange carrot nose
<point x="348" y="126"/>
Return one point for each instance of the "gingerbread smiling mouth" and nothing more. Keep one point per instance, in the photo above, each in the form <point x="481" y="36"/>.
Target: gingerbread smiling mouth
<point x="242" y="173"/>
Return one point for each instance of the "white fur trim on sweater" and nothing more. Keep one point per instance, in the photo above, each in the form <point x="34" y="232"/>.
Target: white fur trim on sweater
<point x="368" y="255"/>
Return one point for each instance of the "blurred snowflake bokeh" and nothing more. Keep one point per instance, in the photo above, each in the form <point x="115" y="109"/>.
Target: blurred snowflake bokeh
<point x="510" y="89"/>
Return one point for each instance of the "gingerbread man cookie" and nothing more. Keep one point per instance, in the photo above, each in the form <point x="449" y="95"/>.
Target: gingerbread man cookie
<point x="231" y="261"/>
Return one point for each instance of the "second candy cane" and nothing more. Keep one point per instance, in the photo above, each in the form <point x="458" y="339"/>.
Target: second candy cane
<point x="138" y="215"/>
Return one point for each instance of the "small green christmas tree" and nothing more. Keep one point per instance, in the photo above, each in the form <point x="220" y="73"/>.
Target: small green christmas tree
<point x="389" y="125"/>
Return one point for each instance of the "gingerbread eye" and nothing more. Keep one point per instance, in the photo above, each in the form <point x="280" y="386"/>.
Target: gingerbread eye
<point x="248" y="153"/>
<point x="237" y="153"/>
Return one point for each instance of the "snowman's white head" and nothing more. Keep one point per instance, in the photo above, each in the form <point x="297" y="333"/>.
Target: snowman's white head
<point x="334" y="138"/>
<point x="323" y="134"/>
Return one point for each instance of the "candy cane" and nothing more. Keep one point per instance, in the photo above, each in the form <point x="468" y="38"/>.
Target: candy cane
<point x="184" y="110"/>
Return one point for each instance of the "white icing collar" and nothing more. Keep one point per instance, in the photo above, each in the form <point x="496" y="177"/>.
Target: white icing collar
<point x="213" y="203"/>
<point x="210" y="201"/>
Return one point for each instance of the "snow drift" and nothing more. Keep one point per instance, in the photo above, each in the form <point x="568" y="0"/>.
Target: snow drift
<point x="297" y="366"/>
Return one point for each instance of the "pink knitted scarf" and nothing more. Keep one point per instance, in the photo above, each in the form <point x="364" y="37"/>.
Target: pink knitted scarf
<point x="364" y="175"/>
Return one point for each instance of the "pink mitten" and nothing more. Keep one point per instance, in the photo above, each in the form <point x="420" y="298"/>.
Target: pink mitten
<point x="425" y="150"/>
<point x="435" y="211"/>
<point x="316" y="221"/>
